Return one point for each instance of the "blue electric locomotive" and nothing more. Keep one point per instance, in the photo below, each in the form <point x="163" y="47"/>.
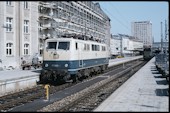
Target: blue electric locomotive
<point x="73" y="57"/>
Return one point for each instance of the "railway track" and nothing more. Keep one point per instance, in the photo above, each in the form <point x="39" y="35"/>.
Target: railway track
<point x="20" y="98"/>
<point x="90" y="98"/>
<point x="93" y="99"/>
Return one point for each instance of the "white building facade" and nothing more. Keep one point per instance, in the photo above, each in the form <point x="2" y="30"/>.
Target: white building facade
<point x="142" y="30"/>
<point x="125" y="45"/>
<point x="66" y="17"/>
<point x="19" y="31"/>
<point x="115" y="43"/>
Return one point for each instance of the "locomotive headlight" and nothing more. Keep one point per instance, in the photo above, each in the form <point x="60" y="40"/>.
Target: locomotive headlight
<point x="66" y="65"/>
<point x="46" y="65"/>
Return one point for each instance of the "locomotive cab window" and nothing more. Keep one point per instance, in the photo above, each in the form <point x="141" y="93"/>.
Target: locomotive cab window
<point x="76" y="46"/>
<point x="103" y="48"/>
<point x="64" y="45"/>
<point x="95" y="47"/>
<point x="51" y="45"/>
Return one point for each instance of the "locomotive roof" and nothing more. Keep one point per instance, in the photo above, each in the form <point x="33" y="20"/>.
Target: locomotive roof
<point x="79" y="37"/>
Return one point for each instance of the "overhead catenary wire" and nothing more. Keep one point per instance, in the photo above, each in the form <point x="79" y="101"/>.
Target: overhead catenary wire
<point x="113" y="17"/>
<point x="116" y="9"/>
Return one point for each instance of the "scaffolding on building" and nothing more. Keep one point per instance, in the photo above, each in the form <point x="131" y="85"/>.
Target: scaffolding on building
<point x="70" y="17"/>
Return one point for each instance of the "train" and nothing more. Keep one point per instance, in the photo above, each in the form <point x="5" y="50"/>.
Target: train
<point x="147" y="53"/>
<point x="72" y="57"/>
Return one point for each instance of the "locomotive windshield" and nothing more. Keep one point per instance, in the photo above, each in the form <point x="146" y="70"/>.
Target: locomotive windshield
<point x="64" y="45"/>
<point x="59" y="45"/>
<point x="51" y="45"/>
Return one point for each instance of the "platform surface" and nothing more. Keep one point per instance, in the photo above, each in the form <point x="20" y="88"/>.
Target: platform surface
<point x="18" y="73"/>
<point x="145" y="91"/>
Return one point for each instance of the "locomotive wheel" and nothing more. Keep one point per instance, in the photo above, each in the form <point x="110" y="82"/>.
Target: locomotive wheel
<point x="103" y="68"/>
<point x="79" y="76"/>
<point x="44" y="77"/>
<point x="74" y="78"/>
<point x="92" y="72"/>
<point x="87" y="73"/>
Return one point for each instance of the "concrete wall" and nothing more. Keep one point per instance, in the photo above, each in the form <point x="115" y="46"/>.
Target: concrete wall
<point x="15" y="85"/>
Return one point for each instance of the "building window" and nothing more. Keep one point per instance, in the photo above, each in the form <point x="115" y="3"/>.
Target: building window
<point x="26" y="49"/>
<point x="95" y="47"/>
<point x="26" y="22"/>
<point x="25" y="4"/>
<point x="40" y="27"/>
<point x="8" y="24"/>
<point x="103" y="48"/>
<point x="86" y="47"/>
<point x="8" y="2"/>
<point x="9" y="49"/>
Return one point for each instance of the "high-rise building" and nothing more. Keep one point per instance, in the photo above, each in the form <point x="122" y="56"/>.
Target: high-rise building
<point x="142" y="30"/>
<point x="18" y="31"/>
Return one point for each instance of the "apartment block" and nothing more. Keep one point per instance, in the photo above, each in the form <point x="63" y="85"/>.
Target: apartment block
<point x="19" y="31"/>
<point x="142" y="30"/>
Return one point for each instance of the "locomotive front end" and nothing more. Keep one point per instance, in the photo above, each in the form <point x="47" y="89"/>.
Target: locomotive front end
<point x="56" y="61"/>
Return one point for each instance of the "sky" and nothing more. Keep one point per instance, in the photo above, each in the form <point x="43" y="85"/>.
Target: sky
<point x="124" y="12"/>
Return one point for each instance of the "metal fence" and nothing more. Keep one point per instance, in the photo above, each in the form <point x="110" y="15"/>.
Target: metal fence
<point x="162" y="64"/>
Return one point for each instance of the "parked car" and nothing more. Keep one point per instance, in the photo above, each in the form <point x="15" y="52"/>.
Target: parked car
<point x="31" y="61"/>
